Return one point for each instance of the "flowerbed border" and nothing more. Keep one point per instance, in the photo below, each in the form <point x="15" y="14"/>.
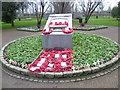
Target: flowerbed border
<point x="75" y="73"/>
<point x="38" y="30"/>
<point x="102" y="27"/>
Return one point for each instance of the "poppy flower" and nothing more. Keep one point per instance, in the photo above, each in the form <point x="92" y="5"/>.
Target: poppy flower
<point x="46" y="31"/>
<point x="67" y="30"/>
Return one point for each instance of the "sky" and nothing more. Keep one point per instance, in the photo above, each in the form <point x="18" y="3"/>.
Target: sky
<point x="111" y="3"/>
<point x="107" y="3"/>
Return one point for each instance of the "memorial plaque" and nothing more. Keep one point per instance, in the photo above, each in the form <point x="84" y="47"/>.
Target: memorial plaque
<point x="58" y="39"/>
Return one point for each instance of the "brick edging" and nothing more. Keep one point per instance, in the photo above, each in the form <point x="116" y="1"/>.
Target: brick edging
<point x="50" y="75"/>
<point x="90" y="29"/>
<point x="64" y="80"/>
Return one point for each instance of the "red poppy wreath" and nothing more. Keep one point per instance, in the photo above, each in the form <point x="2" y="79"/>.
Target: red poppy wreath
<point x="67" y="30"/>
<point x="46" y="31"/>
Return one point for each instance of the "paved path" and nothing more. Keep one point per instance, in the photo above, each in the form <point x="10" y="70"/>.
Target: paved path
<point x="108" y="81"/>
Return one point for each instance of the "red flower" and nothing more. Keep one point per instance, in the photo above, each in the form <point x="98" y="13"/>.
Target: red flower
<point x="60" y="23"/>
<point x="50" y="59"/>
<point x="50" y="23"/>
<point x="47" y="31"/>
<point x="66" y="23"/>
<point x="67" y="30"/>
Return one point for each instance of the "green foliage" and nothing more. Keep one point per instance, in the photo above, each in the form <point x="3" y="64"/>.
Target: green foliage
<point x="24" y="50"/>
<point x="9" y="12"/>
<point x="86" y="49"/>
<point x="119" y="9"/>
<point x="115" y="12"/>
<point x="91" y="48"/>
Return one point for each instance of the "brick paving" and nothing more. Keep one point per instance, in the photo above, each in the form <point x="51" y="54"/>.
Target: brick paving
<point x="108" y="81"/>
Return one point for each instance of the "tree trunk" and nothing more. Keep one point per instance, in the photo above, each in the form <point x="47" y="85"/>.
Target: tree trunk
<point x="39" y="24"/>
<point x="19" y="19"/>
<point x="12" y="23"/>
<point x="86" y="20"/>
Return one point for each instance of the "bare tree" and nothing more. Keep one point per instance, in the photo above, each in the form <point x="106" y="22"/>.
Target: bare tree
<point x="88" y="7"/>
<point x="100" y="8"/>
<point x="32" y="5"/>
<point x="40" y="8"/>
<point x="62" y="7"/>
<point x="23" y="6"/>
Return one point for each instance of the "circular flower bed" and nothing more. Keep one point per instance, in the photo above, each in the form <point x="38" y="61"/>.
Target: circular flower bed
<point x="88" y="51"/>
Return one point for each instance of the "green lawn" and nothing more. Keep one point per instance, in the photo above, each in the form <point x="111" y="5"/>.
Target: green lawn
<point x="101" y="17"/>
<point x="27" y="19"/>
<point x="108" y="21"/>
<point x="103" y="22"/>
<point x="21" y="24"/>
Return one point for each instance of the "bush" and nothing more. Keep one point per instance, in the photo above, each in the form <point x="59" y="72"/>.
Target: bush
<point x="114" y="12"/>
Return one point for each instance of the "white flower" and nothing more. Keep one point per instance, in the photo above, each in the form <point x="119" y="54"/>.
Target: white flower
<point x="88" y="65"/>
<point x="98" y="62"/>
<point x="67" y="29"/>
<point x="95" y="63"/>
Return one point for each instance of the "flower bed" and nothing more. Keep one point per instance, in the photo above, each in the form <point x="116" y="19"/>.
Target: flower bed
<point x="52" y="61"/>
<point x="89" y="27"/>
<point x="88" y="51"/>
<point x="32" y="29"/>
<point x="92" y="50"/>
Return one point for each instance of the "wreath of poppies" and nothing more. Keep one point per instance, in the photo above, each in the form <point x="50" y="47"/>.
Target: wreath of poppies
<point x="47" y="31"/>
<point x="67" y="30"/>
<point x="52" y="61"/>
<point x="58" y="23"/>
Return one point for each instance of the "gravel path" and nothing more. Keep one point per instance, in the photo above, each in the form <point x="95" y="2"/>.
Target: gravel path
<point x="108" y="81"/>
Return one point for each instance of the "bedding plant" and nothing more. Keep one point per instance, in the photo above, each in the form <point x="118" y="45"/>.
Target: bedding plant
<point x="88" y="50"/>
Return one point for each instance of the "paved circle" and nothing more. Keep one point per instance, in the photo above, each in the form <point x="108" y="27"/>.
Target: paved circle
<point x="109" y="80"/>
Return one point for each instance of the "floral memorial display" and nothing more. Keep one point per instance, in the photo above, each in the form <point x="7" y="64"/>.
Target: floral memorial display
<point x="52" y="61"/>
<point x="58" y="52"/>
<point x="55" y="60"/>
<point x="90" y="51"/>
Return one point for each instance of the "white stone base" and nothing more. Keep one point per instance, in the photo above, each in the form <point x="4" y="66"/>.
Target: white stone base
<point x="57" y="40"/>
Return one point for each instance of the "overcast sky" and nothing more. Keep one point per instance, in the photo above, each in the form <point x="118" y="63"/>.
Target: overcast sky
<point x="111" y="3"/>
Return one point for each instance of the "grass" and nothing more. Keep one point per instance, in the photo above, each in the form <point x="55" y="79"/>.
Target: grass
<point x="101" y="17"/>
<point x="27" y="19"/>
<point x="86" y="50"/>
<point x="109" y="21"/>
<point x="21" y="24"/>
<point x="103" y="22"/>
